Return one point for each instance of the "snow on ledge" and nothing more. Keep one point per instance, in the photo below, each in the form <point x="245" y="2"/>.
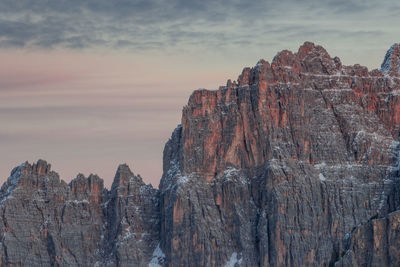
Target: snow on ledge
<point x="385" y="67"/>
<point x="233" y="260"/>
<point x="158" y="257"/>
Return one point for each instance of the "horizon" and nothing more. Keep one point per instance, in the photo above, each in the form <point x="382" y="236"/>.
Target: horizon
<point x="88" y="86"/>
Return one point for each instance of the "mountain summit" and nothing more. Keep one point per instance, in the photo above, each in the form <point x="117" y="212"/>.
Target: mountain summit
<point x="391" y="62"/>
<point x="294" y="164"/>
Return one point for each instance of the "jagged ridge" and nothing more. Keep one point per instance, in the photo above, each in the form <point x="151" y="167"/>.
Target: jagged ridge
<point x="295" y="164"/>
<point x="295" y="154"/>
<point x="46" y="221"/>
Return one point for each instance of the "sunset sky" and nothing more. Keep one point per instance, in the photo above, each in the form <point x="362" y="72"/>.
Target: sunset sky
<point x="87" y="85"/>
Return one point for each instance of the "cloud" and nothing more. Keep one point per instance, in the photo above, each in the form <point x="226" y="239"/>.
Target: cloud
<point x="177" y="24"/>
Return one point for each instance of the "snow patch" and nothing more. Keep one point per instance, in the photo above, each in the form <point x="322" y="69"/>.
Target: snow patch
<point x="182" y="179"/>
<point x="233" y="260"/>
<point x="322" y="177"/>
<point x="395" y="92"/>
<point x="320" y="165"/>
<point x="106" y="203"/>
<point x="347" y="236"/>
<point x="232" y="173"/>
<point x="84" y="201"/>
<point x="158" y="257"/>
<point x="12" y="183"/>
<point x="45" y="224"/>
<point x="128" y="234"/>
<point x="14" y="178"/>
<point x="385" y="67"/>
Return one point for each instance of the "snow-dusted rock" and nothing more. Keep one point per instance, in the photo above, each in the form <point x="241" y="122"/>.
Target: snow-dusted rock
<point x="295" y="164"/>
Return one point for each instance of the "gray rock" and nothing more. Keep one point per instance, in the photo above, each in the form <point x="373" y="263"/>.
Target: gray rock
<point x="295" y="164"/>
<point x="47" y="222"/>
<point x="280" y="168"/>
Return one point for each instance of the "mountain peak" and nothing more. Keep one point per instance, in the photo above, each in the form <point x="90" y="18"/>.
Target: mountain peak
<point x="124" y="175"/>
<point x="309" y="48"/>
<point x="296" y="164"/>
<point x="391" y="63"/>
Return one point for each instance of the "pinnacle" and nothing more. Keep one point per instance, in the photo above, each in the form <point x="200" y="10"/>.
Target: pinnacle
<point x="391" y="63"/>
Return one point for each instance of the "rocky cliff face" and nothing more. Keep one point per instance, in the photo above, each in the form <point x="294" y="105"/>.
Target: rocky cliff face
<point x="295" y="164"/>
<point x="288" y="166"/>
<point x="46" y="222"/>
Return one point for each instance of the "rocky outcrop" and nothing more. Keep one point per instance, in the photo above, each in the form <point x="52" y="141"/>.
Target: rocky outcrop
<point x="278" y="168"/>
<point x="391" y="63"/>
<point x="132" y="220"/>
<point x="47" y="222"/>
<point x="294" y="164"/>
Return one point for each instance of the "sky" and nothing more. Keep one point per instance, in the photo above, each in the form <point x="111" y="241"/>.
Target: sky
<point x="90" y="84"/>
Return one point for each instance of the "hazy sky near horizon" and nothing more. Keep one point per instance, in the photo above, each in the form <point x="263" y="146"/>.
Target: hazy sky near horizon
<point x="90" y="84"/>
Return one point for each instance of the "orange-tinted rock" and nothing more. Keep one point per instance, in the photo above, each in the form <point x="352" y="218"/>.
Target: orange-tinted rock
<point x="288" y="161"/>
<point x="295" y="164"/>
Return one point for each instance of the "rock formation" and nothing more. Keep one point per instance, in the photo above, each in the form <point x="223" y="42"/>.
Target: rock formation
<point x="295" y="164"/>
<point x="46" y="222"/>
